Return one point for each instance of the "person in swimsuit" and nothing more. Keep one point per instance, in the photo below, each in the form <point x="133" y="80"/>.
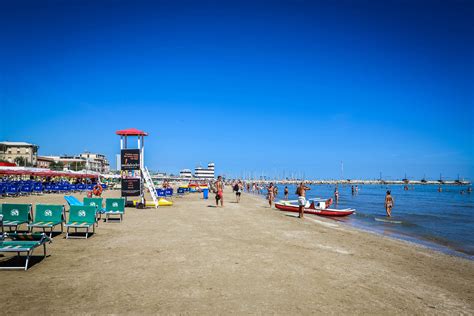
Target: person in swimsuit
<point x="239" y="190"/>
<point x="286" y="193"/>
<point x="388" y="204"/>
<point x="336" y="194"/>
<point x="270" y="194"/>
<point x="301" y="192"/>
<point x="220" y="191"/>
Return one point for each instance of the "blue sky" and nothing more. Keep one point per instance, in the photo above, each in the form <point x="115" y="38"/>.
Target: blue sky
<point x="266" y="87"/>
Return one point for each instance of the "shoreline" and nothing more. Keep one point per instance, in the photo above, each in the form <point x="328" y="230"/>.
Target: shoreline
<point x="245" y="258"/>
<point x="411" y="239"/>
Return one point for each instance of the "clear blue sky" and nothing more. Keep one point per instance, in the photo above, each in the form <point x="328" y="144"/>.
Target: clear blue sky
<point x="271" y="86"/>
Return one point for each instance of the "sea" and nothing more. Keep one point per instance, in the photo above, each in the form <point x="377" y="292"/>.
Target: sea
<point x="439" y="220"/>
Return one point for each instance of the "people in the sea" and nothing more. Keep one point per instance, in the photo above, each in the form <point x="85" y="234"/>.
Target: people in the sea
<point x="285" y="192"/>
<point x="440" y="189"/>
<point x="301" y="193"/>
<point x="353" y="190"/>
<point x="357" y="189"/>
<point x="388" y="204"/>
<point x="336" y="194"/>
<point x="270" y="194"/>
<point x="219" y="191"/>
<point x="469" y="190"/>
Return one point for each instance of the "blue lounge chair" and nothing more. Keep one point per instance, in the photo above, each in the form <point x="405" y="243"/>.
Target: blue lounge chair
<point x="72" y="200"/>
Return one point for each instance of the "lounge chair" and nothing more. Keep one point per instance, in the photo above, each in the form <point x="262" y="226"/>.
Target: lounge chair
<point x="97" y="202"/>
<point x="48" y="216"/>
<point x="114" y="207"/>
<point x="15" y="215"/>
<point x="72" y="200"/>
<point x="23" y="242"/>
<point x="81" y="217"/>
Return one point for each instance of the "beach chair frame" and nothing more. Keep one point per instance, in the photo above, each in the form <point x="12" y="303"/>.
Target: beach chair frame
<point x="81" y="217"/>
<point x="10" y="211"/>
<point x="23" y="243"/>
<point x="57" y="212"/>
<point x="114" y="209"/>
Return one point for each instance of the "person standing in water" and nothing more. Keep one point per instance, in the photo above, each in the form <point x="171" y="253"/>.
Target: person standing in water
<point x="220" y="191"/>
<point x="270" y="194"/>
<point x="388" y="204"/>
<point x="301" y="192"/>
<point x="286" y="193"/>
<point x="336" y="194"/>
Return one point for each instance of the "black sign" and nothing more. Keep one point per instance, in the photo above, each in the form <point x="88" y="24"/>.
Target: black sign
<point x="131" y="187"/>
<point x="130" y="159"/>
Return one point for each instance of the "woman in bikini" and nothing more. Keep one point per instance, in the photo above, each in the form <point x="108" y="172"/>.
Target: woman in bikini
<point x="270" y="195"/>
<point x="388" y="204"/>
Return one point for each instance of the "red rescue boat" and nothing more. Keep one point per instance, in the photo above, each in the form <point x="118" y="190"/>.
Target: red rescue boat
<point x="314" y="206"/>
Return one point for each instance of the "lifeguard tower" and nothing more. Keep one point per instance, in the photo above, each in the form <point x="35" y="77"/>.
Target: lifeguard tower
<point x="135" y="176"/>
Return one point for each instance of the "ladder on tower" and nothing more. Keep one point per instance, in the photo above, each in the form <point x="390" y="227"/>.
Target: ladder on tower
<point x="150" y="186"/>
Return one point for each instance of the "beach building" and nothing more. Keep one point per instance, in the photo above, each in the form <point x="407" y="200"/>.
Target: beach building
<point x="96" y="162"/>
<point x="44" y="161"/>
<point x="205" y="173"/>
<point x="186" y="173"/>
<point x="21" y="153"/>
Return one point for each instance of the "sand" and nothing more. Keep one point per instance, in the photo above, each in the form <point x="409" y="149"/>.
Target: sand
<point x="245" y="258"/>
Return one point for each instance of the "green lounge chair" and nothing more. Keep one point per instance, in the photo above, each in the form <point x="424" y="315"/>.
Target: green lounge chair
<point x="97" y="202"/>
<point x="15" y="215"/>
<point x="114" y="207"/>
<point x="23" y="242"/>
<point x="48" y="216"/>
<point x="81" y="217"/>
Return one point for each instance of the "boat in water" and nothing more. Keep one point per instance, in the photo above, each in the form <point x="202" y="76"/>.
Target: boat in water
<point x="314" y="206"/>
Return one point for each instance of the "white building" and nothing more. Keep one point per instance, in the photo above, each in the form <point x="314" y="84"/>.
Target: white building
<point x="185" y="173"/>
<point x="205" y="173"/>
<point x="96" y="162"/>
<point x="20" y="153"/>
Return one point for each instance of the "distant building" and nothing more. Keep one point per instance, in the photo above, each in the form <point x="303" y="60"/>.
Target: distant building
<point x="205" y="173"/>
<point x="96" y="162"/>
<point x="185" y="173"/>
<point x="44" y="161"/>
<point x="21" y="153"/>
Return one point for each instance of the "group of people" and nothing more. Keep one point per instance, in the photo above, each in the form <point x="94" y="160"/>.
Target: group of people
<point x="272" y="192"/>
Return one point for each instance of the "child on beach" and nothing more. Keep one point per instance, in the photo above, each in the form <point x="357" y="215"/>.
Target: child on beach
<point x="388" y="204"/>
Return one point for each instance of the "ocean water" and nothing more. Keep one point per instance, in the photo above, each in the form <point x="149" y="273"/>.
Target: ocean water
<point x="441" y="220"/>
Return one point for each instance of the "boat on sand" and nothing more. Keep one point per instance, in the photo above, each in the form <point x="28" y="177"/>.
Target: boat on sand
<point x="314" y="206"/>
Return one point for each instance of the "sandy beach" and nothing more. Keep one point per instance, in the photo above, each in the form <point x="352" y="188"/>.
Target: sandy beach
<point x="194" y="258"/>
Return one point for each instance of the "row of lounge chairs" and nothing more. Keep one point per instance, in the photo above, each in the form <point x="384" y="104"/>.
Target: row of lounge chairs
<point x="46" y="217"/>
<point x="16" y="188"/>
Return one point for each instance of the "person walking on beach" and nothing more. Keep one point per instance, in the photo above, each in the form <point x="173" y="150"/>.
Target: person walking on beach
<point x="286" y="193"/>
<point x="238" y="192"/>
<point x="388" y="204"/>
<point x="219" y="191"/>
<point x="270" y="194"/>
<point x="301" y="192"/>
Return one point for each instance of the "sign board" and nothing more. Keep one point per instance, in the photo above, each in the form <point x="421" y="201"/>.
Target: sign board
<point x="131" y="187"/>
<point x="130" y="159"/>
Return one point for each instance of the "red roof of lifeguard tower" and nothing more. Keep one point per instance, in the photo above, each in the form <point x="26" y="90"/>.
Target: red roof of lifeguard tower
<point x="131" y="132"/>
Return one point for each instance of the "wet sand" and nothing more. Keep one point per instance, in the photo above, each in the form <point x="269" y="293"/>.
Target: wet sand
<point x="194" y="258"/>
